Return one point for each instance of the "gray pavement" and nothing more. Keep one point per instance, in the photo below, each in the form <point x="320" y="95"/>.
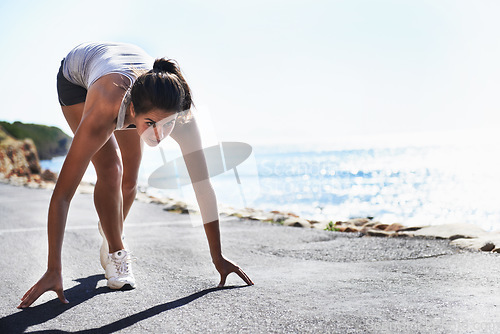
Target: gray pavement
<point x="305" y="280"/>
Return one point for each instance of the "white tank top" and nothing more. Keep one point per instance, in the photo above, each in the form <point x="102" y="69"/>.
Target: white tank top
<point x="89" y="61"/>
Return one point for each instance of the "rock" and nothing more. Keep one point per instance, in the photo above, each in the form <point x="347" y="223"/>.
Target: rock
<point x="487" y="247"/>
<point x="48" y="175"/>
<point x="365" y="229"/>
<point x="350" y="228"/>
<point x="19" y="158"/>
<point x="278" y="218"/>
<point x="484" y="243"/>
<point x="394" y="227"/>
<point x="296" y="222"/>
<point x="245" y="213"/>
<point x="32" y="185"/>
<point x="156" y="200"/>
<point x="260" y="217"/>
<point x="458" y="236"/>
<point x="31" y="156"/>
<point x="496" y="250"/>
<point x="358" y="221"/>
<point x="381" y="226"/>
<point x="410" y="229"/>
<point x="448" y="230"/>
<point x="379" y="233"/>
<point x="228" y="211"/>
<point x="370" y="224"/>
<point x="191" y="209"/>
<point x="321" y="225"/>
<point x="473" y="244"/>
<point x="179" y="206"/>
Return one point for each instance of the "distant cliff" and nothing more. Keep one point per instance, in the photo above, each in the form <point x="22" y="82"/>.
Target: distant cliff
<point x="50" y="141"/>
<point x="18" y="158"/>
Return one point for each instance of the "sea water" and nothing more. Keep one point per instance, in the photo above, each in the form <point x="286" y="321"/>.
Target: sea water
<point x="412" y="185"/>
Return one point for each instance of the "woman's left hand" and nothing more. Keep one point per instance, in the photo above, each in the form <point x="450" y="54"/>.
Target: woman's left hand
<point x="225" y="267"/>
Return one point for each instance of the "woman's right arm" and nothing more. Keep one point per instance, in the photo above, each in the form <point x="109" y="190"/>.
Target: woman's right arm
<point x="95" y="129"/>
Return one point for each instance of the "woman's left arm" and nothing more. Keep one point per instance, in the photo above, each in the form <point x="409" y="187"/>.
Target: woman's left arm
<point x="187" y="135"/>
<point x="223" y="265"/>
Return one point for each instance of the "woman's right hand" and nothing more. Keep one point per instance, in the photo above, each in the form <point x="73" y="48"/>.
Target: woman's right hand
<point x="50" y="281"/>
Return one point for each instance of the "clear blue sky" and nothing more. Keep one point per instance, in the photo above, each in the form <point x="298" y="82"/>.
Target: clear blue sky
<point x="291" y="71"/>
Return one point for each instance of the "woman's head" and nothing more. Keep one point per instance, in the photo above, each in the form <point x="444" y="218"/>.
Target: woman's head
<point x="159" y="93"/>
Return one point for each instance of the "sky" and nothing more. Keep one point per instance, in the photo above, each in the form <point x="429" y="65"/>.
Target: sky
<point x="278" y="71"/>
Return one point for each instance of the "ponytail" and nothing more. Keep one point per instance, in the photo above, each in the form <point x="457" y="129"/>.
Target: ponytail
<point x="163" y="87"/>
<point x="166" y="65"/>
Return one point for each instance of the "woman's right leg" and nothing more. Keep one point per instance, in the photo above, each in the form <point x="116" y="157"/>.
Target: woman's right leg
<point x="107" y="191"/>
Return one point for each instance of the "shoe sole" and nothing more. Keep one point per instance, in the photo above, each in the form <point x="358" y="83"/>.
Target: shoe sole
<point x="123" y="287"/>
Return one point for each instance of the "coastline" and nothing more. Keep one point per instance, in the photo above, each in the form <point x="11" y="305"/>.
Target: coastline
<point x="412" y="186"/>
<point x="467" y="236"/>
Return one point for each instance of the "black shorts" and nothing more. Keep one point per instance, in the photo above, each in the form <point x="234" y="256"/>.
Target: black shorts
<point x="68" y="92"/>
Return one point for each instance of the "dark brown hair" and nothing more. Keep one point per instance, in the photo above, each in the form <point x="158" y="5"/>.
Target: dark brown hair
<point x="163" y="87"/>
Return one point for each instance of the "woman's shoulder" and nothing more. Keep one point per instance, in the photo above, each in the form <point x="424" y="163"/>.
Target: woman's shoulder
<point x="108" y="91"/>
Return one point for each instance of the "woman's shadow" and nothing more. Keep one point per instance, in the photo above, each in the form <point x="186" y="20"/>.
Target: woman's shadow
<point x="86" y="290"/>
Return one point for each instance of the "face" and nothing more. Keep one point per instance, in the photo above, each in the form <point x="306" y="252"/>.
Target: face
<point x="155" y="125"/>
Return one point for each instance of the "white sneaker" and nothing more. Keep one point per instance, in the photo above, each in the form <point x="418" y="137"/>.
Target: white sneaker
<point x="119" y="270"/>
<point x="103" y="254"/>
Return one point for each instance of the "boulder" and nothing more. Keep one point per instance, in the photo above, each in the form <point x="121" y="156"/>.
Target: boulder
<point x="261" y="216"/>
<point x="227" y="211"/>
<point x="19" y="158"/>
<point x="381" y="226"/>
<point x="245" y="213"/>
<point x="411" y="228"/>
<point x="488" y="247"/>
<point x="297" y="222"/>
<point x="358" y="221"/>
<point x="487" y="243"/>
<point x="278" y="217"/>
<point x="449" y="230"/>
<point x="348" y="228"/>
<point x="321" y="225"/>
<point x="179" y="206"/>
<point x="370" y="224"/>
<point x="394" y="227"/>
<point x="49" y="176"/>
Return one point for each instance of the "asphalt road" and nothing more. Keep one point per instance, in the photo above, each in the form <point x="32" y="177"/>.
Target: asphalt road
<point x="305" y="280"/>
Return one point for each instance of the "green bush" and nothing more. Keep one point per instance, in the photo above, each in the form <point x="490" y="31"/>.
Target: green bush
<point x="331" y="227"/>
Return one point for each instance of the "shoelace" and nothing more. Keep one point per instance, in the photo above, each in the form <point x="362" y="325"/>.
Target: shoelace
<point x="122" y="265"/>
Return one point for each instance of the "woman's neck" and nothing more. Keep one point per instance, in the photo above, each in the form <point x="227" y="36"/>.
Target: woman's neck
<point x="128" y="117"/>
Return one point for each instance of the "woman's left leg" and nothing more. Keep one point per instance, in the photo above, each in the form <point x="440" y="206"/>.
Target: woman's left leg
<point x="130" y="145"/>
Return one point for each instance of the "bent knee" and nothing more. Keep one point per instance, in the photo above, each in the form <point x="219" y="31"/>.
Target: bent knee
<point x="129" y="184"/>
<point x="111" y="174"/>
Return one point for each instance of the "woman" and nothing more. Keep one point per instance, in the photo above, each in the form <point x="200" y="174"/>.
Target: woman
<point x="104" y="89"/>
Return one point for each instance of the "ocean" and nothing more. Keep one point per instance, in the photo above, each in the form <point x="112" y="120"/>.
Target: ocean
<point x="412" y="185"/>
